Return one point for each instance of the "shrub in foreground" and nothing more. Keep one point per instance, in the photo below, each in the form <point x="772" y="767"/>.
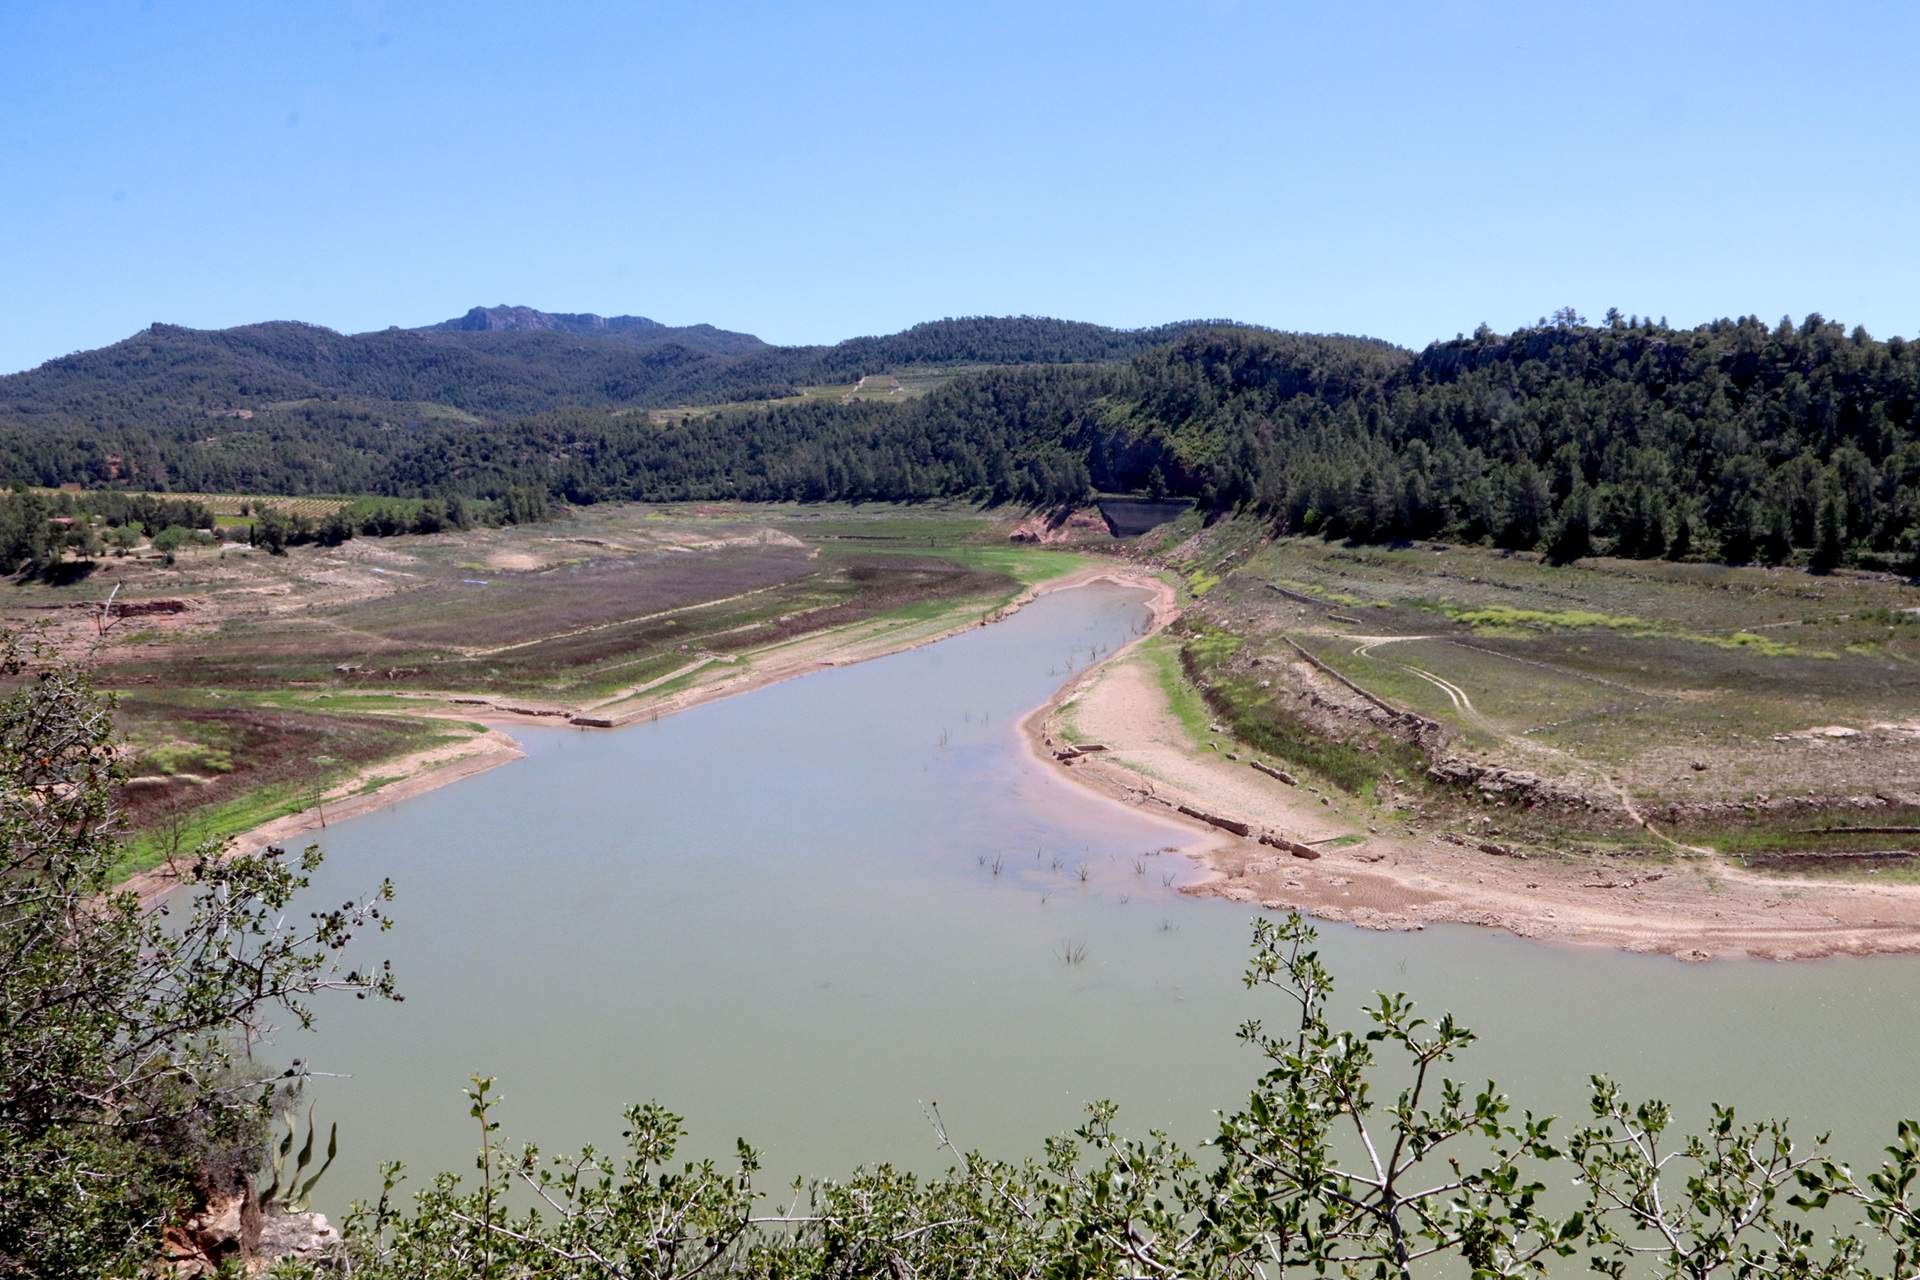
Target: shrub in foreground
<point x="127" y="1101"/>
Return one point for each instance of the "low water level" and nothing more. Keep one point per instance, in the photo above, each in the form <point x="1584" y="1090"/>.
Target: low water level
<point x="778" y="915"/>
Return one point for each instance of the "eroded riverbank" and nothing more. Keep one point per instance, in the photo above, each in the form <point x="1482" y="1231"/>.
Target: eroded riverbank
<point x="1309" y="849"/>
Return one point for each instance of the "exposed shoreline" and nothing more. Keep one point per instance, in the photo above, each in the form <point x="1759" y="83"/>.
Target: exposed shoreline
<point x="429" y="770"/>
<point x="1691" y="908"/>
<point x="1687" y="909"/>
<point x="417" y="774"/>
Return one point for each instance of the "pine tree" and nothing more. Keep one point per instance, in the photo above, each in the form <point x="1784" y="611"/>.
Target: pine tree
<point x="1573" y="535"/>
<point x="1528" y="504"/>
<point x="1776" y="545"/>
<point x="1831" y="546"/>
<point x="1681" y="545"/>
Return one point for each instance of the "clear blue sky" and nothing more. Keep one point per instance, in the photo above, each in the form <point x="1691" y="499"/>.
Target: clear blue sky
<point x="812" y="172"/>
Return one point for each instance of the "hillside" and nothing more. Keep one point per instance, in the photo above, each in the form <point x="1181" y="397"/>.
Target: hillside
<point x="501" y="362"/>
<point x="1736" y="440"/>
<point x="300" y="408"/>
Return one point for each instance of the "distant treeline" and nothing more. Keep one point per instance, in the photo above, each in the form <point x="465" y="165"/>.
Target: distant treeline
<point x="46" y="534"/>
<point x="1737" y="440"/>
<point x="277" y="530"/>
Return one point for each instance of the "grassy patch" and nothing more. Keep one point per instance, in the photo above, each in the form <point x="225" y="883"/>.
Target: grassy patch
<point x="1747" y="641"/>
<point x="229" y="814"/>
<point x="1212" y="646"/>
<point x="183" y="757"/>
<point x="1189" y="708"/>
<point x="1507" y="617"/>
<point x="150" y="847"/>
<point x="1028" y="566"/>
<point x="1495" y="621"/>
<point x="1067" y="722"/>
<point x="1258" y="719"/>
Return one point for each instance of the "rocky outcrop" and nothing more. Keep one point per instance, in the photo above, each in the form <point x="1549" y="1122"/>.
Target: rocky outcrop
<point x="1280" y="775"/>
<point x="1061" y="526"/>
<point x="1518" y="785"/>
<point x="232" y="1234"/>
<point x="1275" y="840"/>
<point x="638" y="329"/>
<point x="302" y="1237"/>
<point x="1234" y="825"/>
<point x="224" y="1233"/>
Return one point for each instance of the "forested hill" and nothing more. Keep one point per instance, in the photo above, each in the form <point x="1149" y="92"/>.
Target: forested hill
<point x="494" y="363"/>
<point x="1736" y="440"/>
<point x="637" y="329"/>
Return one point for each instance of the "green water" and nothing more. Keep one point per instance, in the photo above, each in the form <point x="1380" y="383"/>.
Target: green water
<point x="778" y="915"/>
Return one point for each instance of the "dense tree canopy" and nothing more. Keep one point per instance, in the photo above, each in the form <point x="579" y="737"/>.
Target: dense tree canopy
<point x="1737" y="440"/>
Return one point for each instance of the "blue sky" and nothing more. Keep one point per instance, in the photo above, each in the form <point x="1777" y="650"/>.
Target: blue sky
<point x="813" y="172"/>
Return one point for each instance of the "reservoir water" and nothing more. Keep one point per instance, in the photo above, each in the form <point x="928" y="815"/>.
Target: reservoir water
<point x="779" y="915"/>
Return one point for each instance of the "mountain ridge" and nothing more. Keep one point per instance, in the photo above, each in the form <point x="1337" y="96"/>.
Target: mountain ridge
<point x="502" y="362"/>
<point x="515" y="318"/>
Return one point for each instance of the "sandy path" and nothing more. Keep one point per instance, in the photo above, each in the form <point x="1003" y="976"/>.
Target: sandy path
<point x="1694" y="908"/>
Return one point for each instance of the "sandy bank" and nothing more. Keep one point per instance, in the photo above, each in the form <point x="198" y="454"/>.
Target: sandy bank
<point x="1692" y="907"/>
<point x="412" y="775"/>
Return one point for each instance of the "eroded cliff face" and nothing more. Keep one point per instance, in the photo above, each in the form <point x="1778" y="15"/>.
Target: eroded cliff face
<point x="1063" y="526"/>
